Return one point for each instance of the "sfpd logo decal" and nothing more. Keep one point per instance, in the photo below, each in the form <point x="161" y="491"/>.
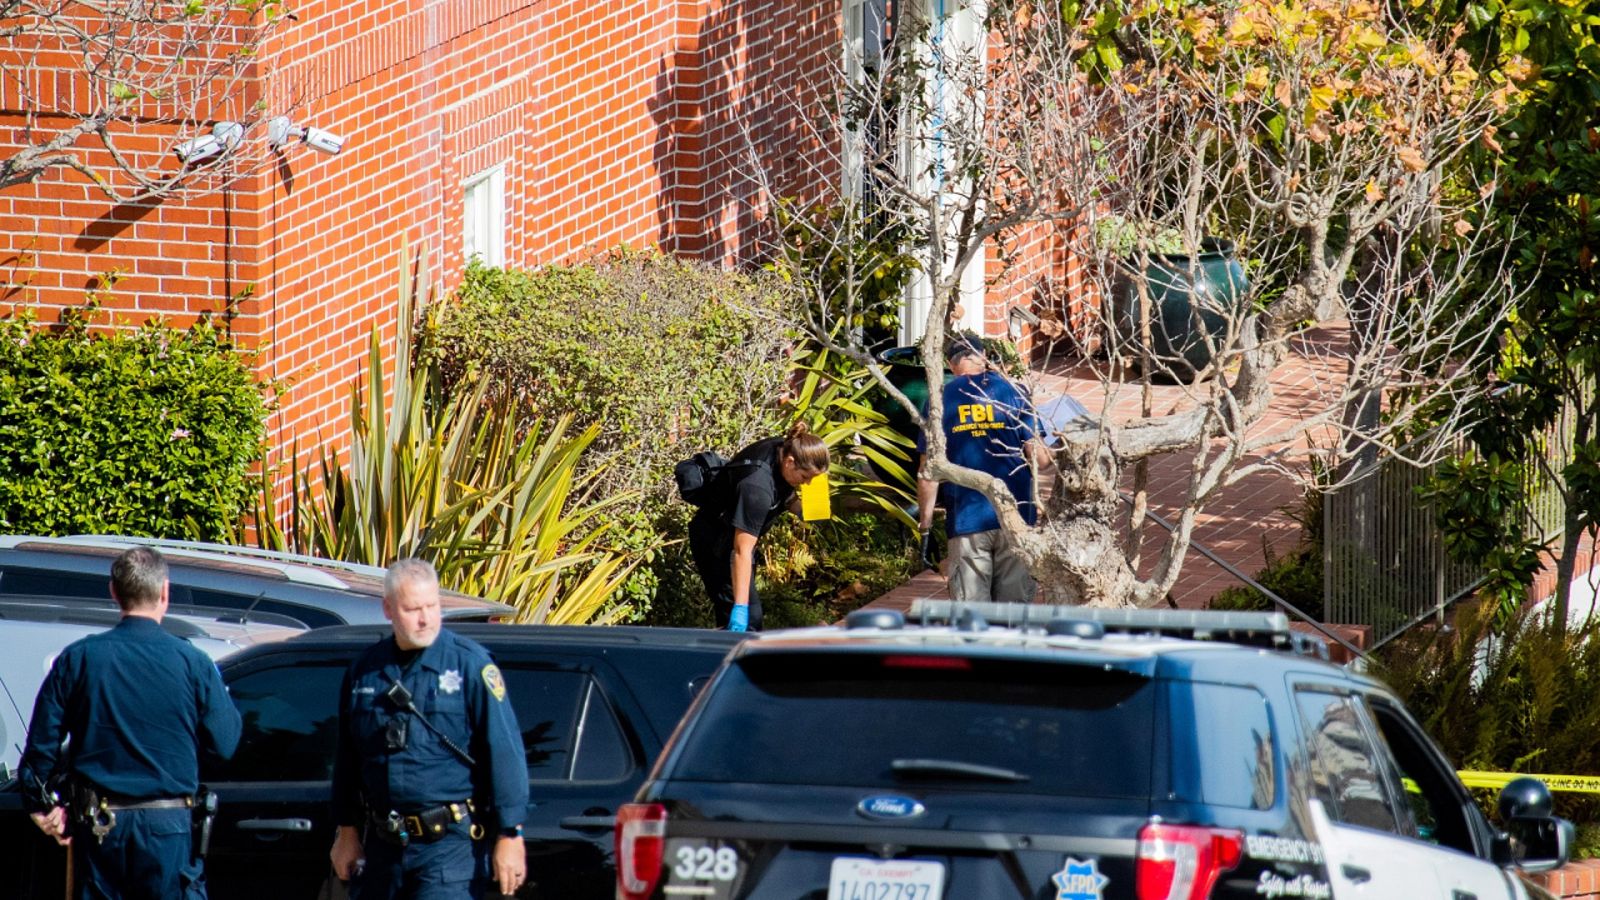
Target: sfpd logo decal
<point x="1079" y="880"/>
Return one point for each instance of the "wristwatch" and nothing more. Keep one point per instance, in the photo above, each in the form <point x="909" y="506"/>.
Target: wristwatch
<point x="514" y="831"/>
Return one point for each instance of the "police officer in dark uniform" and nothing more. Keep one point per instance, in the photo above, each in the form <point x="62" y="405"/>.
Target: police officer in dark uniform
<point x="430" y="765"/>
<point x="138" y="705"/>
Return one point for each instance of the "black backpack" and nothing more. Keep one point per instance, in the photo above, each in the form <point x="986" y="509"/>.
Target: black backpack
<point x="697" y="476"/>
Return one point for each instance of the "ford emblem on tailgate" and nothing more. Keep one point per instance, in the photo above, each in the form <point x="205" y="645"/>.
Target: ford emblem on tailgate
<point x="888" y="806"/>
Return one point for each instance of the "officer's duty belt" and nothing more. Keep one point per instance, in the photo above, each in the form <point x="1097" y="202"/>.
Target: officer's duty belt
<point x="160" y="803"/>
<point x="426" y="825"/>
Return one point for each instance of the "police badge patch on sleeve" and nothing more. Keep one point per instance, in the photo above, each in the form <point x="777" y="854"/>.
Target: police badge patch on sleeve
<point x="495" y="681"/>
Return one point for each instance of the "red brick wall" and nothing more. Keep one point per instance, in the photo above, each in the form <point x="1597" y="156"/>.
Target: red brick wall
<point x="627" y="122"/>
<point x="631" y="122"/>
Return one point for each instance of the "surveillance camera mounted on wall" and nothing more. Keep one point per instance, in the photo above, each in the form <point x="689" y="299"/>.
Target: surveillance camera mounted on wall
<point x="281" y="130"/>
<point x="224" y="136"/>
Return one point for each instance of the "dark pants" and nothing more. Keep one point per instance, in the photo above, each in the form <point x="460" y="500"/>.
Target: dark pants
<point x="455" y="867"/>
<point x="147" y="855"/>
<point x="711" y="542"/>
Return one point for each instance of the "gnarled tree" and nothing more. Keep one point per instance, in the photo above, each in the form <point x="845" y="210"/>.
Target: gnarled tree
<point x="1322" y="138"/>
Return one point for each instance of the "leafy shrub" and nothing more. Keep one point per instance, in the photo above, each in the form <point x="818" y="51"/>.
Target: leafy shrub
<point x="665" y="357"/>
<point x="1295" y="576"/>
<point x="814" y="573"/>
<point x="454" y="479"/>
<point x="852" y="267"/>
<point x="1527" y="700"/>
<point x="154" y="432"/>
<point x="817" y="572"/>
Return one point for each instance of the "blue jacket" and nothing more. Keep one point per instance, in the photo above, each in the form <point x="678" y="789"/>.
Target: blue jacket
<point x="456" y="686"/>
<point x="987" y="421"/>
<point x="139" y="705"/>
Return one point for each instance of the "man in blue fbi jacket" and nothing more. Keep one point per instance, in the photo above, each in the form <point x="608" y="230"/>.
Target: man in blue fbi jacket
<point x="111" y="768"/>
<point x="430" y="772"/>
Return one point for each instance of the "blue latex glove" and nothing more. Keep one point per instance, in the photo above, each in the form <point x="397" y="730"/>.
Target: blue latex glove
<point x="739" y="619"/>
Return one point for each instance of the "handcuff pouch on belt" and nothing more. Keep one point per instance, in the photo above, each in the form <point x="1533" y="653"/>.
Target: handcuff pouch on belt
<point x="424" y="826"/>
<point x="89" y="807"/>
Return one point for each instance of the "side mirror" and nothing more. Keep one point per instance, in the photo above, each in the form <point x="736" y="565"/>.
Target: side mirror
<point x="1534" y="840"/>
<point x="1539" y="844"/>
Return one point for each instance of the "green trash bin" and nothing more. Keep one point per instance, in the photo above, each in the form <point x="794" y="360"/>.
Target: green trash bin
<point x="904" y="368"/>
<point x="1190" y="296"/>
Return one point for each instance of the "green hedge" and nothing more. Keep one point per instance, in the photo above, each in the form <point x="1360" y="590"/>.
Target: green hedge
<point x="153" y="432"/>
<point x="666" y="356"/>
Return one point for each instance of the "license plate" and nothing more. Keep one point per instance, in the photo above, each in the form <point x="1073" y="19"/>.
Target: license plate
<point x="853" y="878"/>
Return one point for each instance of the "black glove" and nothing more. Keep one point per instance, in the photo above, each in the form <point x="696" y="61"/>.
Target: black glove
<point x="931" y="551"/>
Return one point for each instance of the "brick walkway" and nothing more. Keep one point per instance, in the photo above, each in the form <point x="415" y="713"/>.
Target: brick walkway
<point x="1242" y="520"/>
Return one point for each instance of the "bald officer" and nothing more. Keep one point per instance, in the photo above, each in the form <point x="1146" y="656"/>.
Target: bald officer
<point x="430" y="766"/>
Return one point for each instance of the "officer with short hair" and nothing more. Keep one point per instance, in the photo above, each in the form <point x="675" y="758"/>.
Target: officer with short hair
<point x="111" y="767"/>
<point x="430" y="764"/>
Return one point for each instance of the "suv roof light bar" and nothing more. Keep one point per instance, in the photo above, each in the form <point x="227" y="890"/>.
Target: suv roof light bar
<point x="1256" y="629"/>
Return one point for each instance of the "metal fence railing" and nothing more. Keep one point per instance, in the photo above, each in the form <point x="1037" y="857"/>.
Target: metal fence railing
<point x="1384" y="561"/>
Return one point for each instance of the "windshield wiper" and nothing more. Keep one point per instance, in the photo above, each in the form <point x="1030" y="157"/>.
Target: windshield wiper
<point x="954" y="767"/>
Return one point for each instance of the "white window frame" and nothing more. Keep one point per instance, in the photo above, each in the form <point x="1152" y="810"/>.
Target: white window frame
<point x="483" y="216"/>
<point x="960" y="24"/>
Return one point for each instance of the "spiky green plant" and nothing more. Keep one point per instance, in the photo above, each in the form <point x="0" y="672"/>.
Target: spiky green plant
<point x="500" y="512"/>
<point x="834" y="402"/>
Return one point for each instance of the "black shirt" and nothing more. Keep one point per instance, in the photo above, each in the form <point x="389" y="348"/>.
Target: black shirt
<point x="757" y="493"/>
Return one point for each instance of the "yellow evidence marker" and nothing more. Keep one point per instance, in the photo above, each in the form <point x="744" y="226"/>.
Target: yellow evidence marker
<point x="814" y="503"/>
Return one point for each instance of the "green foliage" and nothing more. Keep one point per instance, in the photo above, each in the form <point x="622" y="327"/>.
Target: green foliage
<point x="1295" y="576"/>
<point x="663" y="357"/>
<point x="1527" y="701"/>
<point x="501" y="511"/>
<point x="1547" y="206"/>
<point x="1480" y="506"/>
<point x="834" y="401"/>
<point x="665" y="354"/>
<point x="853" y="267"/>
<point x="818" y="572"/>
<point x="154" y="432"/>
<point x="815" y="572"/>
<point x="1121" y="236"/>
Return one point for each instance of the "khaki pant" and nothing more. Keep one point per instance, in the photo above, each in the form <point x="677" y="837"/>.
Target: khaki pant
<point x="986" y="567"/>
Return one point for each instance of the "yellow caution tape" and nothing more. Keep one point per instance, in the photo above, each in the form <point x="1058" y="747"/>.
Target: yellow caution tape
<point x="1584" y="784"/>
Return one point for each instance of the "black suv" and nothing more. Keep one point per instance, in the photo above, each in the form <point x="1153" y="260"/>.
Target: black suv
<point x="1072" y="754"/>
<point x="595" y="706"/>
<point x="313" y="592"/>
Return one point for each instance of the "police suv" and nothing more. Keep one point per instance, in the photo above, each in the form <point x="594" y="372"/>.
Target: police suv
<point x="1032" y="752"/>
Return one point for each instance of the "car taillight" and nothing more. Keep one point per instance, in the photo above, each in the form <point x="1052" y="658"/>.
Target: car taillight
<point x="641" y="839"/>
<point x="1183" y="862"/>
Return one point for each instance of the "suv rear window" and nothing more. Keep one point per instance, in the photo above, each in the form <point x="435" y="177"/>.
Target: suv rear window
<point x="871" y="720"/>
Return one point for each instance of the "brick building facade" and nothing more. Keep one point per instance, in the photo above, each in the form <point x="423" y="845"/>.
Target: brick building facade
<point x="582" y="126"/>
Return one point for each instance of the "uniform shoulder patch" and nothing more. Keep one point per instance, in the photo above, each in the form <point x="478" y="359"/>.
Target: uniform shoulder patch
<point x="495" y="681"/>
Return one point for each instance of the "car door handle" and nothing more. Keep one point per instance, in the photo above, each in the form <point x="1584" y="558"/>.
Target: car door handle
<point x="1462" y="895"/>
<point x="275" y="825"/>
<point x="589" y="823"/>
<point x="1356" y="873"/>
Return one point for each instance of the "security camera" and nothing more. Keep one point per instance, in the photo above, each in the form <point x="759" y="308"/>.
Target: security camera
<point x="281" y="130"/>
<point x="223" y="137"/>
<point x="325" y="141"/>
<point x="197" y="150"/>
